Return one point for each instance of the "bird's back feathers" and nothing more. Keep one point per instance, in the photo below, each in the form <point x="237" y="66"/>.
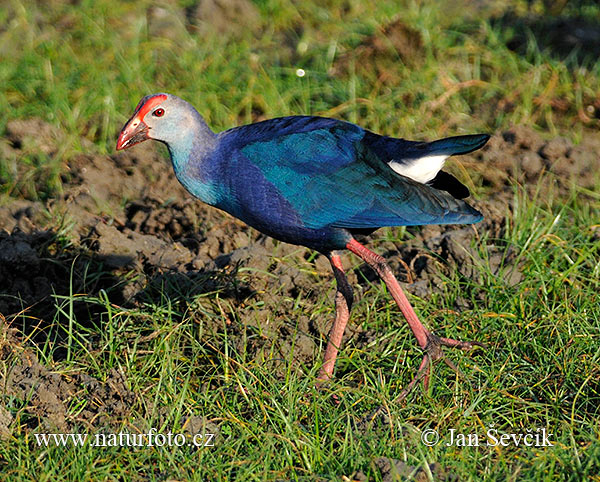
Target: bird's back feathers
<point x="333" y="173"/>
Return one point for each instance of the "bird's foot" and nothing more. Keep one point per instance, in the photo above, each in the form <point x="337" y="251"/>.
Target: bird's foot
<point x="433" y="352"/>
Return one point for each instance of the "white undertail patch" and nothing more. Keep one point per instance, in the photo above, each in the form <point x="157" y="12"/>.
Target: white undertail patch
<point x="422" y="170"/>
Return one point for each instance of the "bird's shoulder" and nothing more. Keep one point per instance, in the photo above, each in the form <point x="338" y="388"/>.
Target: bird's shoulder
<point x="297" y="130"/>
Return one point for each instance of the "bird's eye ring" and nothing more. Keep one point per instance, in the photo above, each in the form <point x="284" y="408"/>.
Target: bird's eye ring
<point x="159" y="112"/>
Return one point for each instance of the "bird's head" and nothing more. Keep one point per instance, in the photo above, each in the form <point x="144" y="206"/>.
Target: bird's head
<point x="162" y="117"/>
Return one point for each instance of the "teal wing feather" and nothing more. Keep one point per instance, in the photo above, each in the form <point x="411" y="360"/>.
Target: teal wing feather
<point x="334" y="173"/>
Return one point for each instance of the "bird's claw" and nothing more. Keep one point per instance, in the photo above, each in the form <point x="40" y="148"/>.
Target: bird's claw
<point x="433" y="351"/>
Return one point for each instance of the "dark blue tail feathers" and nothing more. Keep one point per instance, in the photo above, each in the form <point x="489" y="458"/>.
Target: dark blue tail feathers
<point x="452" y="146"/>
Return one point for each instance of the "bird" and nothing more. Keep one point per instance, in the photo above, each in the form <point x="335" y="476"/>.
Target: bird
<point x="317" y="182"/>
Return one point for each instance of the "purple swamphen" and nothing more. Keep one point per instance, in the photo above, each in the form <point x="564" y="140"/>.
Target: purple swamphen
<point x="316" y="182"/>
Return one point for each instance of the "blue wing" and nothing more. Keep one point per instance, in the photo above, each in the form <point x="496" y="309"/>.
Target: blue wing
<point x="335" y="174"/>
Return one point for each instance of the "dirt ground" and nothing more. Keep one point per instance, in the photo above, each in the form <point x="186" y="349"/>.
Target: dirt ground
<point x="161" y="233"/>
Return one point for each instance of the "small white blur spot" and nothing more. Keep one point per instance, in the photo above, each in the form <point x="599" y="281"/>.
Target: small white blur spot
<point x="302" y="47"/>
<point x="300" y="72"/>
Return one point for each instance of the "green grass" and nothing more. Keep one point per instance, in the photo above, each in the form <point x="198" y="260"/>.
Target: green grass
<point x="541" y="371"/>
<point x="84" y="67"/>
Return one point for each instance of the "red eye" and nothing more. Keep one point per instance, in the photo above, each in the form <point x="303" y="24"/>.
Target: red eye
<point x="158" y="112"/>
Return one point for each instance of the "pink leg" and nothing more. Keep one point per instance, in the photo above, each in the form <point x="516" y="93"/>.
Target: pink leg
<point x="343" y="304"/>
<point x="429" y="342"/>
<point x="384" y="271"/>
